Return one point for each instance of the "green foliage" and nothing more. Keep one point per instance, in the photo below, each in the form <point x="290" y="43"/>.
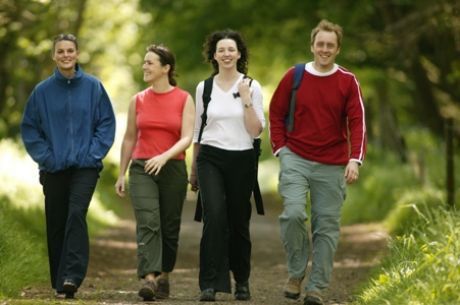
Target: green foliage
<point x="105" y="190"/>
<point x="423" y="266"/>
<point x="22" y="248"/>
<point x="414" y="210"/>
<point x="382" y="179"/>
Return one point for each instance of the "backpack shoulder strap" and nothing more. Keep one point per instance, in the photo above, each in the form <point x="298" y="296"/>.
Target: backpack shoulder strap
<point x="298" y="75"/>
<point x="250" y="79"/>
<point x="237" y="94"/>
<point x="206" y="99"/>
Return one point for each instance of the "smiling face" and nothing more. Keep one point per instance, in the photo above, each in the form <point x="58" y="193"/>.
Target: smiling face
<point x="325" y="49"/>
<point x="153" y="70"/>
<point x="65" y="56"/>
<point x="227" y="54"/>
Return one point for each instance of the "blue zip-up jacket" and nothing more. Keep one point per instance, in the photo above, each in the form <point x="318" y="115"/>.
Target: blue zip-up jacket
<point x="68" y="123"/>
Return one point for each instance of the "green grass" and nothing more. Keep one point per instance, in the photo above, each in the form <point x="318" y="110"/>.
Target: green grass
<point x="23" y="254"/>
<point x="414" y="210"/>
<point x="22" y="248"/>
<point x="423" y="266"/>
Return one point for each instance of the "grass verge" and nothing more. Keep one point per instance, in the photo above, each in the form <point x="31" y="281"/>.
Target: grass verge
<point x="423" y="266"/>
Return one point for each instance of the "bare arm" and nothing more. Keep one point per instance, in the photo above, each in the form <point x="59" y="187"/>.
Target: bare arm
<point x="251" y="121"/>
<point x="129" y="141"/>
<point x="154" y="165"/>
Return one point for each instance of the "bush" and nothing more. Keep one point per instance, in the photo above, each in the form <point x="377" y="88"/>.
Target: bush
<point x="382" y="179"/>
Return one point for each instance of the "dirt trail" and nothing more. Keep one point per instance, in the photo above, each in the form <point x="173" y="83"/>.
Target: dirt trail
<point x="112" y="272"/>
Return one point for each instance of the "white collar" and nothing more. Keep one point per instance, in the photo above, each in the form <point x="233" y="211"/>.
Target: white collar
<point x="311" y="69"/>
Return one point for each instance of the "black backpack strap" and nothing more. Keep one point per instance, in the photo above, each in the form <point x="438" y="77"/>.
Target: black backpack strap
<point x="298" y="74"/>
<point x="256" y="191"/>
<point x="198" y="208"/>
<point x="204" y="117"/>
<point x="237" y="94"/>
<point x="206" y="99"/>
<point x="250" y="79"/>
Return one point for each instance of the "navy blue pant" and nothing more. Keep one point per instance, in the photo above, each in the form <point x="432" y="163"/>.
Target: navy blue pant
<point x="67" y="197"/>
<point x="226" y="180"/>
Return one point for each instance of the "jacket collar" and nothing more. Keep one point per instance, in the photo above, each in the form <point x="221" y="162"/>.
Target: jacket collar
<point x="61" y="78"/>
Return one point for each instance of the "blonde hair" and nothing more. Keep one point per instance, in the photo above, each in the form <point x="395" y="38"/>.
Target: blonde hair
<point x="325" y="25"/>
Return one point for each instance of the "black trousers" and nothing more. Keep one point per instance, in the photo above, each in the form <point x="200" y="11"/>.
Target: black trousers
<point x="226" y="180"/>
<point x="67" y="197"/>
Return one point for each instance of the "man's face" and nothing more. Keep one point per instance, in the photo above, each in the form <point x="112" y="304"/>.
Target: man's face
<point x="325" y="49"/>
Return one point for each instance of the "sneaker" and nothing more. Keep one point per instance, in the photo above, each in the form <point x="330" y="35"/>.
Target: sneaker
<point x="292" y="288"/>
<point x="147" y="292"/>
<point x="69" y="288"/>
<point x="162" y="289"/>
<point x="313" y="298"/>
<point x="208" y="295"/>
<point x="242" y="291"/>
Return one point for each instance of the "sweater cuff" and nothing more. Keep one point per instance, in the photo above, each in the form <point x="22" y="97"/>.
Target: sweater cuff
<point x="357" y="161"/>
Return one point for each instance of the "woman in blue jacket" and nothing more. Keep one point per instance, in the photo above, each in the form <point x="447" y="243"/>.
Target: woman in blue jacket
<point x="67" y="128"/>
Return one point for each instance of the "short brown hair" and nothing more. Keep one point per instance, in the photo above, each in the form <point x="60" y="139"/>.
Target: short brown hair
<point x="68" y="37"/>
<point x="325" y="25"/>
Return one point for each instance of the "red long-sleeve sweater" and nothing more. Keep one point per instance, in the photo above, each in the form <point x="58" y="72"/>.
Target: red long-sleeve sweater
<point x="329" y="122"/>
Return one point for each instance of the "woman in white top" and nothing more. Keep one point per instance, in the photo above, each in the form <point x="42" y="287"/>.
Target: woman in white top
<point x="224" y="165"/>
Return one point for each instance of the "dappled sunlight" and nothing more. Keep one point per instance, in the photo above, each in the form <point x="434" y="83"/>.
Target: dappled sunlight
<point x="113" y="155"/>
<point x="268" y="175"/>
<point x="115" y="244"/>
<point x="19" y="176"/>
<point x="21" y="186"/>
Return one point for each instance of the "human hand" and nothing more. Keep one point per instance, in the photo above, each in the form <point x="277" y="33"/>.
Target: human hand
<point x="120" y="186"/>
<point x="193" y="180"/>
<point x="244" y="88"/>
<point x="351" y="172"/>
<point x="155" y="164"/>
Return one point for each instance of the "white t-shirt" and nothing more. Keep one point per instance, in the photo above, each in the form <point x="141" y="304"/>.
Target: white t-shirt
<point x="225" y="123"/>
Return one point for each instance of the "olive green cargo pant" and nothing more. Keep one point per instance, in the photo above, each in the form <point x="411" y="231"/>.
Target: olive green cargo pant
<point x="157" y="201"/>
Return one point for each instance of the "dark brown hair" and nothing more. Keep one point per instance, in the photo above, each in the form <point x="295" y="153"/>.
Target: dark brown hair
<point x="166" y="58"/>
<point x="210" y="45"/>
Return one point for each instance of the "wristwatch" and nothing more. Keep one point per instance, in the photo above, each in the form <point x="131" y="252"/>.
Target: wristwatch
<point x="248" y="105"/>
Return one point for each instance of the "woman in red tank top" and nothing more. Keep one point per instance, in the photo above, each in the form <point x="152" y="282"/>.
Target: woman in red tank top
<point x="159" y="130"/>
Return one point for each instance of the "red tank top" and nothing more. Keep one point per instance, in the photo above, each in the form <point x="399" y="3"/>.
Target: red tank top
<point x="158" y="121"/>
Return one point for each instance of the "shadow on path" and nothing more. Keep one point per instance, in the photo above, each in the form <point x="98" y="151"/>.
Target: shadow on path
<point x="112" y="272"/>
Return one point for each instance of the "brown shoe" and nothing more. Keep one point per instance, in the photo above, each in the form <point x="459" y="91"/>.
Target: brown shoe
<point x="147" y="292"/>
<point x="162" y="289"/>
<point x="313" y="298"/>
<point x="292" y="288"/>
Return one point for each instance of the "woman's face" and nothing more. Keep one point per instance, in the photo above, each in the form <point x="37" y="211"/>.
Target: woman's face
<point x="153" y="70"/>
<point x="65" y="55"/>
<point x="227" y="53"/>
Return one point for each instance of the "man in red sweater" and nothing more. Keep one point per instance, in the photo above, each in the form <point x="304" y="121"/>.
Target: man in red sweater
<point x="319" y="156"/>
